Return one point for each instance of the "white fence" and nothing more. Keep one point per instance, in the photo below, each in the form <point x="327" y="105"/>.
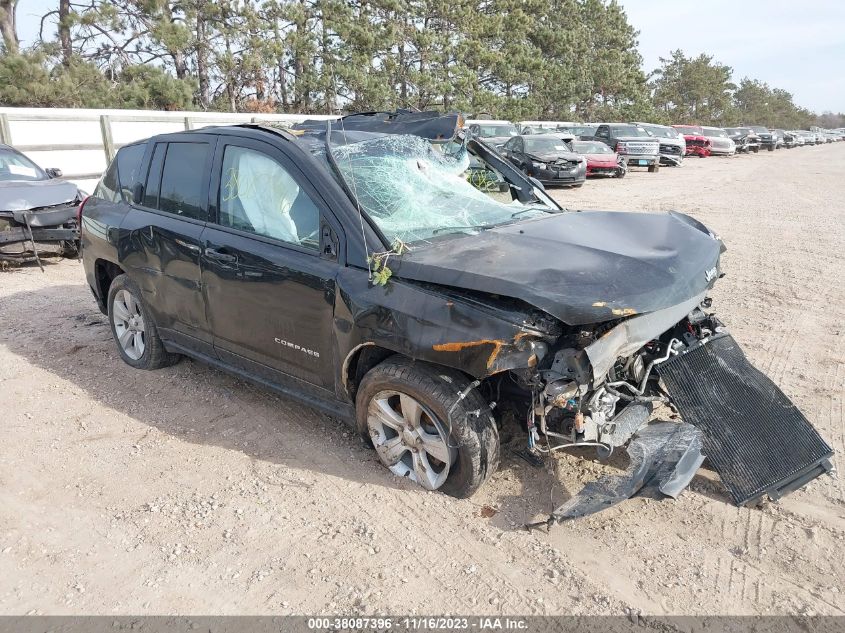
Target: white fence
<point x="82" y="142"/>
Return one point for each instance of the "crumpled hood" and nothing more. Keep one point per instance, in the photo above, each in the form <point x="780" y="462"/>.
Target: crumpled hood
<point x="581" y="267"/>
<point x="19" y="195"/>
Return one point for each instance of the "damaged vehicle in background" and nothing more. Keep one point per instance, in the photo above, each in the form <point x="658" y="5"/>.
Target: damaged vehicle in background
<point x="351" y="264"/>
<point x="745" y="139"/>
<point x="673" y="146"/>
<point x="601" y="160"/>
<point x="547" y="158"/>
<point x="697" y="143"/>
<point x="37" y="210"/>
<point x="720" y="143"/>
<point x="768" y="138"/>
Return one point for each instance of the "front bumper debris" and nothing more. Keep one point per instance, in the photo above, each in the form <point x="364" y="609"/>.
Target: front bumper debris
<point x="664" y="458"/>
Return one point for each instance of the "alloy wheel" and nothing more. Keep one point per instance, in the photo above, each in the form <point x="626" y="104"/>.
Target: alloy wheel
<point x="129" y="324"/>
<point x="409" y="439"/>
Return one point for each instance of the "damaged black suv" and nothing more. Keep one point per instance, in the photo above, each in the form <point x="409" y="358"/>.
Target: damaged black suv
<point x="354" y="264"/>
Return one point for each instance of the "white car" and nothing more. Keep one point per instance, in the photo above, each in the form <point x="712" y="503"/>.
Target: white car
<point x="720" y="142"/>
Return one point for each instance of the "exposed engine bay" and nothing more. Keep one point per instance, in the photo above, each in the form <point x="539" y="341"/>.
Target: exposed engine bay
<point x="598" y="389"/>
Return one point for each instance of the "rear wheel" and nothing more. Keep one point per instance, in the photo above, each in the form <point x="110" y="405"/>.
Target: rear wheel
<point x="133" y="328"/>
<point x="653" y="169"/>
<point x="429" y="424"/>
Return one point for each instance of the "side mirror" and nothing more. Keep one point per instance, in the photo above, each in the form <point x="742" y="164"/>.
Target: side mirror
<point x="137" y="193"/>
<point x="54" y="172"/>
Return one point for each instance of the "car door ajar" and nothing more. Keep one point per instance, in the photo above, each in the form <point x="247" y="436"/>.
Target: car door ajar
<point x="269" y="266"/>
<point x="160" y="236"/>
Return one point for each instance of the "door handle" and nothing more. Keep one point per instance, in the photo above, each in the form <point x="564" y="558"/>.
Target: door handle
<point x="191" y="247"/>
<point x="212" y="253"/>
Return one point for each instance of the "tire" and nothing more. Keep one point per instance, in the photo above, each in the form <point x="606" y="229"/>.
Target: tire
<point x="472" y="438"/>
<point x="756" y="150"/>
<point x="620" y="173"/>
<point x="151" y="354"/>
<point x="771" y="148"/>
<point x="653" y="169"/>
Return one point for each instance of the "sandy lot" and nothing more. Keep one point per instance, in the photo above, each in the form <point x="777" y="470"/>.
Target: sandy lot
<point x="188" y="491"/>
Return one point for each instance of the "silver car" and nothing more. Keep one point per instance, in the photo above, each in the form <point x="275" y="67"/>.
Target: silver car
<point x="673" y="147"/>
<point x="720" y="142"/>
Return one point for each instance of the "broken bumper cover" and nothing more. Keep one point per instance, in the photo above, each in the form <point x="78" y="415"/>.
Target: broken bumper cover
<point x="664" y="458"/>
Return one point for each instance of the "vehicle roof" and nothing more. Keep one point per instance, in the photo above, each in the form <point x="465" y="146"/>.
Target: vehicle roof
<point x="543" y="135"/>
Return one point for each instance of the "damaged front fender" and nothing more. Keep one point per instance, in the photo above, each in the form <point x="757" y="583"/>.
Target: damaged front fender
<point x="439" y="325"/>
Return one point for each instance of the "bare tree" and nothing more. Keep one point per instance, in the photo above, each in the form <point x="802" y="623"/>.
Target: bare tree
<point x="7" y="26"/>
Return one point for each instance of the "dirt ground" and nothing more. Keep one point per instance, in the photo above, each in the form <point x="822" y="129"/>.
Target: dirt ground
<point x="188" y="491"/>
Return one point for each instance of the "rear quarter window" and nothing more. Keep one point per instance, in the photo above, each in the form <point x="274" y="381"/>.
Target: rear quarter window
<point x="120" y="177"/>
<point x="129" y="167"/>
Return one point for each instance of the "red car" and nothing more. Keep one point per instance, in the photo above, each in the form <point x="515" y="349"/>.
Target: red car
<point x="697" y="143"/>
<point x="601" y="160"/>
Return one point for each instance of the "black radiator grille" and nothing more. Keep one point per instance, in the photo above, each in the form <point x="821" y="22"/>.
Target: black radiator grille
<point x="755" y="438"/>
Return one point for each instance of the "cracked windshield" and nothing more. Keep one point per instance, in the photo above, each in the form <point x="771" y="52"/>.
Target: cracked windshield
<point x="415" y="191"/>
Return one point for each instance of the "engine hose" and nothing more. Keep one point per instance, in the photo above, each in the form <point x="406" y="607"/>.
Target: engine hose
<point x="638" y="398"/>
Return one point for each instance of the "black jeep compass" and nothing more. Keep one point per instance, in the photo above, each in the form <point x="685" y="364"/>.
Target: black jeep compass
<point x="357" y="265"/>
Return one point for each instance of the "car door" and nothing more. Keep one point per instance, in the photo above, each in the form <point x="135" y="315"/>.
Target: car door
<point x="160" y="236"/>
<point x="269" y="266"/>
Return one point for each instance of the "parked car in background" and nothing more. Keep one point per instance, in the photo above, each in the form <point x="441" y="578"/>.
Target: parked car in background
<point x="799" y="138"/>
<point x="601" y="160"/>
<point x="745" y="139"/>
<point x="632" y="142"/>
<point x="720" y="143"/>
<point x="673" y="146"/>
<point x="768" y="139"/>
<point x="786" y="138"/>
<point x="584" y="131"/>
<point x="494" y="133"/>
<point x="546" y="158"/>
<point x="697" y="144"/>
<point x="37" y="209"/>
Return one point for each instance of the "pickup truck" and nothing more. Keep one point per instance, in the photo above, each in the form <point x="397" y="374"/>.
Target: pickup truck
<point x="633" y="143"/>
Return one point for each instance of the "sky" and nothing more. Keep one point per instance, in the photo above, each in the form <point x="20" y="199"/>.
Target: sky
<point x="797" y="46"/>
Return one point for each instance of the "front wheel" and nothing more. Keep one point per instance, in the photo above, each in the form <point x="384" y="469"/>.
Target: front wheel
<point x="620" y="173"/>
<point x="133" y="328"/>
<point x="429" y="424"/>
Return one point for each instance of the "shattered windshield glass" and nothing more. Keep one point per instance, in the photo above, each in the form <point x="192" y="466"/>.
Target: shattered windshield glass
<point x="415" y="191"/>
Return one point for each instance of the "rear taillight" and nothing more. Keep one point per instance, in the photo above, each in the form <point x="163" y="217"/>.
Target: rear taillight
<point x="79" y="212"/>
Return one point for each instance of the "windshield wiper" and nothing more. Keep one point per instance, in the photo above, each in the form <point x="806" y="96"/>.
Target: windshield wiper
<point x="526" y="210"/>
<point x="477" y="227"/>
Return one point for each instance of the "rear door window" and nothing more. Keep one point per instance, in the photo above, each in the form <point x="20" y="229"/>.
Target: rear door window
<point x="182" y="182"/>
